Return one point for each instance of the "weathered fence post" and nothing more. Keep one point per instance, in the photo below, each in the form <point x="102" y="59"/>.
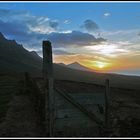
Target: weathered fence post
<point x="48" y="80"/>
<point x="107" y="103"/>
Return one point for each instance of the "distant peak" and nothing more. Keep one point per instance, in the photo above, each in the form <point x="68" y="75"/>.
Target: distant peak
<point x="75" y="63"/>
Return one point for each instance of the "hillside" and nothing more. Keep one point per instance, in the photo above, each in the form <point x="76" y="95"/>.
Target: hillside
<point x="121" y="81"/>
<point x="14" y="58"/>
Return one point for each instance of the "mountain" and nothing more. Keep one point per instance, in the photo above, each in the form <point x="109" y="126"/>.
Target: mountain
<point x="61" y="64"/>
<point x="14" y="58"/>
<point x="78" y="66"/>
<point x="116" y="80"/>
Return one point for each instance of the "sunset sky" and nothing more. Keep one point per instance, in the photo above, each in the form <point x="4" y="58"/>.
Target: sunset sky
<point x="103" y="36"/>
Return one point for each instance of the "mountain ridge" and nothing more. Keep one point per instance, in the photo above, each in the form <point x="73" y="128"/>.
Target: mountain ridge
<point x="15" y="58"/>
<point x="78" y="66"/>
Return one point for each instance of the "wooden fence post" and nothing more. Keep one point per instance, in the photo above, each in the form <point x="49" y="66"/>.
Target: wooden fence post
<point x="48" y="80"/>
<point x="107" y="103"/>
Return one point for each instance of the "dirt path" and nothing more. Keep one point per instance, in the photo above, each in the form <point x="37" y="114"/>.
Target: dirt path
<point x="21" y="119"/>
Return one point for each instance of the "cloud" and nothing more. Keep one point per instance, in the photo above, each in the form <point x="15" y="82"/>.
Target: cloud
<point x="75" y="39"/>
<point x="121" y="32"/>
<point x="138" y="34"/>
<point x="62" y="52"/>
<point x="130" y="35"/>
<point x="53" y="24"/>
<point x="6" y="14"/>
<point x="107" y="14"/>
<point x="10" y="28"/>
<point x="31" y="23"/>
<point x="31" y="30"/>
<point x="90" y="25"/>
<point x="26" y="28"/>
<point x="110" y="49"/>
<point x="67" y="21"/>
<point x="85" y="59"/>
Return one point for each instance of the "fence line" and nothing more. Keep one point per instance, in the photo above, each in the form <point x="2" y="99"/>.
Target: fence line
<point x="50" y="97"/>
<point x="107" y="103"/>
<point x="92" y="116"/>
<point x="48" y="81"/>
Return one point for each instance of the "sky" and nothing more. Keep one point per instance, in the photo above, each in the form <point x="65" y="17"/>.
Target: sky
<point x="104" y="36"/>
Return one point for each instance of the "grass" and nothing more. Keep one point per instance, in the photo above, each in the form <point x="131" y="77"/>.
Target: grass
<point x="7" y="90"/>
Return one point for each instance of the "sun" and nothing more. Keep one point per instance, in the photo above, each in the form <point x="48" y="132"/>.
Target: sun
<point x="100" y="65"/>
<point x="97" y="65"/>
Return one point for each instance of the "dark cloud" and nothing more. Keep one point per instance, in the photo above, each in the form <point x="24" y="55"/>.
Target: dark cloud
<point x="12" y="28"/>
<point x="75" y="38"/>
<point x="61" y="52"/>
<point x="7" y="12"/>
<point x="31" y="30"/>
<point x="90" y="25"/>
<point x="24" y="27"/>
<point x="30" y="22"/>
<point x="53" y="24"/>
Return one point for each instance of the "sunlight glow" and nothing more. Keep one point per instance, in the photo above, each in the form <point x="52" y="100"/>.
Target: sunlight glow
<point x="108" y="49"/>
<point x="100" y="64"/>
